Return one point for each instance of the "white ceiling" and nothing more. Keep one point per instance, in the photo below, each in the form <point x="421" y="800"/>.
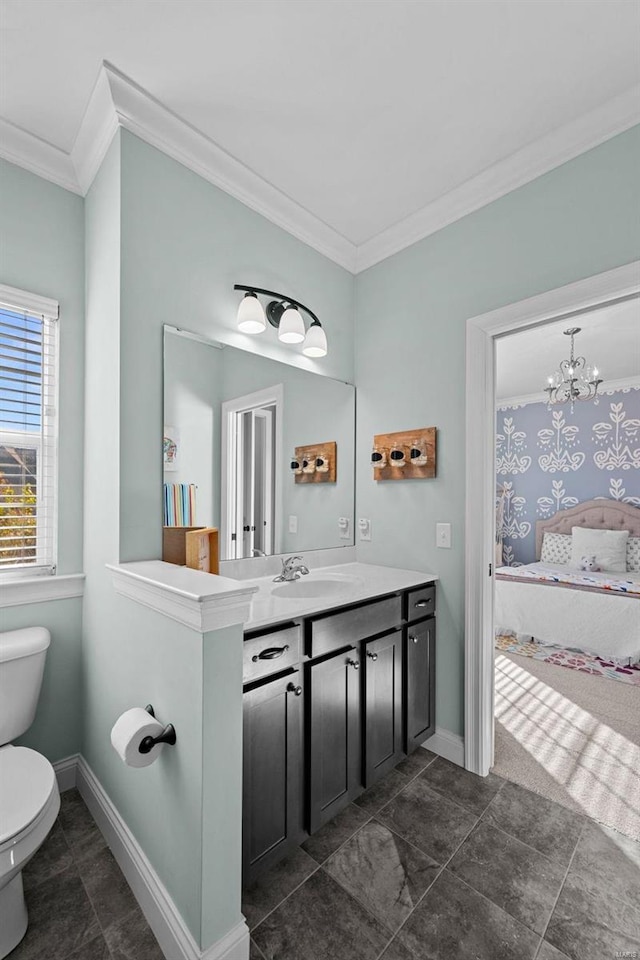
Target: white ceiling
<point x="609" y="338"/>
<point x="361" y="111"/>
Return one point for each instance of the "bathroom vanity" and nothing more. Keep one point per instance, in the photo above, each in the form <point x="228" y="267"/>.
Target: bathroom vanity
<point x="335" y="695"/>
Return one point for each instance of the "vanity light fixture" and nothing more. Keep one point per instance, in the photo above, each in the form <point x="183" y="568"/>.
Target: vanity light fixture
<point x="575" y="379"/>
<point x="284" y="314"/>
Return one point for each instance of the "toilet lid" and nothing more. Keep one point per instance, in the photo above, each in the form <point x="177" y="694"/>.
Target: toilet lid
<point x="26" y="781"/>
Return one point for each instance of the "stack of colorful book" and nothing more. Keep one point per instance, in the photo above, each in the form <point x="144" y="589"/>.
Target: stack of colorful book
<point x="179" y="504"/>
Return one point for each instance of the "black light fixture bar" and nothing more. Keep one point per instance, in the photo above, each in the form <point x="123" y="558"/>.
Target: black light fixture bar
<point x="280" y="296"/>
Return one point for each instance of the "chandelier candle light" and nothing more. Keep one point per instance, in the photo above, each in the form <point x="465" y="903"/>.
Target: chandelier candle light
<point x="575" y="379"/>
<point x="283" y="314"/>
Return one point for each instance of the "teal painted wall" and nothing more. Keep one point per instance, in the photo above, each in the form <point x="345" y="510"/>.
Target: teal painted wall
<point x="576" y="221"/>
<point x="164" y="246"/>
<point x="184" y="245"/>
<point x="57" y="729"/>
<point x="42" y="251"/>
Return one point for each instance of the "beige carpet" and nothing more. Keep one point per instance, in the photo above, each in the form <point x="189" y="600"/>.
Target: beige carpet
<point x="571" y="737"/>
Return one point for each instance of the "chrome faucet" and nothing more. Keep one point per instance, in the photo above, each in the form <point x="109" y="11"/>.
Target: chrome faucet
<point x="257" y="553"/>
<point x="292" y="567"/>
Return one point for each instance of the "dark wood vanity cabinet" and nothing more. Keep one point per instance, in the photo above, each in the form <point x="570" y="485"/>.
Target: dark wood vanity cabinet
<point x="272" y="771"/>
<point x="419" y="683"/>
<point x="334" y="747"/>
<point x="383" y="680"/>
<point x="331" y="704"/>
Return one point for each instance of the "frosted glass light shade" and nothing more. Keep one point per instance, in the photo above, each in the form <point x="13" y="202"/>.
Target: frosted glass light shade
<point x="291" y="326"/>
<point x="315" y="344"/>
<point x="251" y="318"/>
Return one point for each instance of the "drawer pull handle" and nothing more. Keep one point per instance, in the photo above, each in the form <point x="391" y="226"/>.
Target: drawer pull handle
<point x="354" y="663"/>
<point x="271" y="653"/>
<point x="291" y="687"/>
<point x="421" y="603"/>
<point x="414" y="639"/>
<point x="372" y="656"/>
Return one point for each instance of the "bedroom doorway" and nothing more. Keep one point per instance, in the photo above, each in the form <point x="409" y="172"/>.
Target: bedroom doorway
<point x="566" y="578"/>
<point x="564" y="304"/>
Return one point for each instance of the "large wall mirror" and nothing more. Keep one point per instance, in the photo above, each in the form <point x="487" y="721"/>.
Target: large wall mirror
<point x="233" y="421"/>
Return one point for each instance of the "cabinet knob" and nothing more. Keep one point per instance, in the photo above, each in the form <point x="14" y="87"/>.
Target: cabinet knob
<point x="354" y="663"/>
<point x="414" y="639"/>
<point x="372" y="656"/>
<point x="291" y="687"/>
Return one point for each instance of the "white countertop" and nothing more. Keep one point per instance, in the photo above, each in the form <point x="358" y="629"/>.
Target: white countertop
<point x="204" y="602"/>
<point x="362" y="581"/>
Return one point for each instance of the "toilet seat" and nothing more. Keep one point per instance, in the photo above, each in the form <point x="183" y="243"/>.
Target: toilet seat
<point x="27" y="785"/>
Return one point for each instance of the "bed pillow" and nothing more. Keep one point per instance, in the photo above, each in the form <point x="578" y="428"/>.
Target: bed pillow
<point x="556" y="548"/>
<point x="633" y="554"/>
<point x="609" y="547"/>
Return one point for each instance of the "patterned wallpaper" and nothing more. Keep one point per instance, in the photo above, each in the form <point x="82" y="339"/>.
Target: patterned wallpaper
<point x="549" y="460"/>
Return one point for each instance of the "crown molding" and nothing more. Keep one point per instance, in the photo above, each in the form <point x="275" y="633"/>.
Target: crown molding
<point x="117" y="101"/>
<point x="537" y="158"/>
<point x="141" y="114"/>
<point x="25" y="150"/>
<point x="98" y="128"/>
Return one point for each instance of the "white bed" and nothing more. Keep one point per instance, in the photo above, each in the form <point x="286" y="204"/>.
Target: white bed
<point x="599" y="614"/>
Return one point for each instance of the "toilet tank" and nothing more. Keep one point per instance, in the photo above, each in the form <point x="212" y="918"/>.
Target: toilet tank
<point x="22" y="656"/>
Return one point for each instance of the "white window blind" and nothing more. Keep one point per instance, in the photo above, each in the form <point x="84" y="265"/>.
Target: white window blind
<point x="28" y="432"/>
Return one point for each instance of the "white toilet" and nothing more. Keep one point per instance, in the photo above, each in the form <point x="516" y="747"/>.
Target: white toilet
<point x="29" y="797"/>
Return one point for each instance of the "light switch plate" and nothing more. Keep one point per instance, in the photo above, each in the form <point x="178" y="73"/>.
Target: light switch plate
<point x="443" y="535"/>
<point x="293" y="523"/>
<point x="364" y="528"/>
<point x="344" y="525"/>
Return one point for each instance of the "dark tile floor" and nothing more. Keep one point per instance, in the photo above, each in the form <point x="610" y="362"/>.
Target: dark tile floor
<point x="80" y="905"/>
<point x="434" y="863"/>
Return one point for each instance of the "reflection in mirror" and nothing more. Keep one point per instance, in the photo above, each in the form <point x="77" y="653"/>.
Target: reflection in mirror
<point x="236" y="420"/>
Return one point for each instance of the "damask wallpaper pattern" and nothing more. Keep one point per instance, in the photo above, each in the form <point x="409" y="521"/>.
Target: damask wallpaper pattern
<point x="549" y="460"/>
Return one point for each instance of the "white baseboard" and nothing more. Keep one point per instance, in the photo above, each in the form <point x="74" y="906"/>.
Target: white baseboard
<point x="164" y="918"/>
<point x="65" y="771"/>
<point x="446" y="744"/>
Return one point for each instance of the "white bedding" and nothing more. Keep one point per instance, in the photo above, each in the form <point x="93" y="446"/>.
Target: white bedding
<point x="605" y="623"/>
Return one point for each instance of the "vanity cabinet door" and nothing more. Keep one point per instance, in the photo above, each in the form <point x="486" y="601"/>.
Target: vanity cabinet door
<point x="272" y="772"/>
<point x="334" y="735"/>
<point x="420" y="683"/>
<point x="383" y="740"/>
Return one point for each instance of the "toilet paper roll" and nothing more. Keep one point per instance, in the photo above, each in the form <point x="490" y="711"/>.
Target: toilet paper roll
<point x="129" y="731"/>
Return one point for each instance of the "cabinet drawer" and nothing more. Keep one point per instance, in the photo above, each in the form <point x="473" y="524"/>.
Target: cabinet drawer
<point x="339" y="629"/>
<point x="270" y="652"/>
<point x="421" y="603"/>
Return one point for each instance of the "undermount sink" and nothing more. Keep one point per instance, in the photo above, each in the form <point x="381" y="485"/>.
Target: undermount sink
<point x="303" y="588"/>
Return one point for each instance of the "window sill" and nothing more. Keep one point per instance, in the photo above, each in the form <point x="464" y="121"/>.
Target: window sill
<point x="15" y="593"/>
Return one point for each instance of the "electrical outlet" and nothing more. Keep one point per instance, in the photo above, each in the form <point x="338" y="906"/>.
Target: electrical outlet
<point x="293" y="524"/>
<point x="344" y="525"/>
<point x="364" y="528"/>
<point x="443" y="535"/>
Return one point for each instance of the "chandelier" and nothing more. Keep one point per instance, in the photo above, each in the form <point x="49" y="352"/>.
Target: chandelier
<point x="575" y="379"/>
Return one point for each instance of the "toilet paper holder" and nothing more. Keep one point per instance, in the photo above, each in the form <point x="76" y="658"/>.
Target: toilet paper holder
<point x="168" y="735"/>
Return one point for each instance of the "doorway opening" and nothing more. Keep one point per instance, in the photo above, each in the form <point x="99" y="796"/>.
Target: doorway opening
<point x="252" y="440"/>
<point x="564" y="303"/>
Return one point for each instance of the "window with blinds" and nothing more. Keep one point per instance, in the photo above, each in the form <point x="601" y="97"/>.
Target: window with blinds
<point x="28" y="468"/>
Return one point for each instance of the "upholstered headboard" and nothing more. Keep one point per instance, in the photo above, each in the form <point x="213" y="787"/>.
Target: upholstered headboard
<point x="595" y="514"/>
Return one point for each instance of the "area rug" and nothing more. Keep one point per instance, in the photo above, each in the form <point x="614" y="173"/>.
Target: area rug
<point x="570" y="736"/>
<point x="572" y="659"/>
